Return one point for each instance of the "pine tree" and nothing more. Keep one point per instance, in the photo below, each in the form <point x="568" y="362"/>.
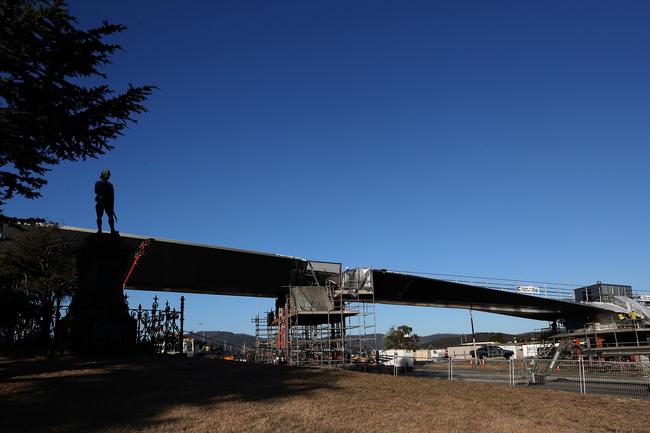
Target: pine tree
<point x="48" y="110"/>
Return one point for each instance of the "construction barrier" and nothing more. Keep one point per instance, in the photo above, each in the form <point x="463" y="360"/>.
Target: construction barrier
<point x="584" y="376"/>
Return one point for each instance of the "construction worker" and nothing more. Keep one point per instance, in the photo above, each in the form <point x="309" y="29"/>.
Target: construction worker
<point x="105" y="200"/>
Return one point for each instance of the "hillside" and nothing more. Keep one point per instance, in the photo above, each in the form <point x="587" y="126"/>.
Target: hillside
<point x="440" y="341"/>
<point x="217" y="338"/>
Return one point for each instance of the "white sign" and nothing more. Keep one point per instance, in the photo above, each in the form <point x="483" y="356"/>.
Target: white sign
<point x="528" y="289"/>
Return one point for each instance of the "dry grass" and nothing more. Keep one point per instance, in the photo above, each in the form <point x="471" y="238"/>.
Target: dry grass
<point x="195" y="395"/>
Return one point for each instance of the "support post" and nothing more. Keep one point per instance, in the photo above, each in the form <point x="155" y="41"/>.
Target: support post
<point x="511" y="372"/>
<point x="581" y="376"/>
<point x="471" y="320"/>
<point x="182" y="322"/>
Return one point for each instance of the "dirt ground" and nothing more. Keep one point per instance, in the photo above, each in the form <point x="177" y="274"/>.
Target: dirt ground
<point x="200" y="395"/>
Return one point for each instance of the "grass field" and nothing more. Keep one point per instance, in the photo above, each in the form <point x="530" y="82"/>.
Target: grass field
<point x="197" y="395"/>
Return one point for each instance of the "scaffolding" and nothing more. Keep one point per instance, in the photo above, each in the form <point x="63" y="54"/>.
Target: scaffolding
<point x="266" y="344"/>
<point x="329" y="324"/>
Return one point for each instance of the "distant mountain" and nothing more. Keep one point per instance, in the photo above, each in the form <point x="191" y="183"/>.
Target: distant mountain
<point x="427" y="340"/>
<point x="440" y="341"/>
<point x="221" y="338"/>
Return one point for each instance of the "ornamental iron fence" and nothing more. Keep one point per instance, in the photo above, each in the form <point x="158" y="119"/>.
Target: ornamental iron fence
<point x="159" y="329"/>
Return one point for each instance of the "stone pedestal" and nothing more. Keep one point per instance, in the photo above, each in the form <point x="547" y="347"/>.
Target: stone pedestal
<point x="98" y="319"/>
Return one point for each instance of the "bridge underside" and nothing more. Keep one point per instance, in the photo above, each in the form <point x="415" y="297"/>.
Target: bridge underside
<point x="194" y="268"/>
<point x="397" y="288"/>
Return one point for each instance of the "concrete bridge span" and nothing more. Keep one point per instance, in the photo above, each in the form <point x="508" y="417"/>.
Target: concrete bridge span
<point x="168" y="265"/>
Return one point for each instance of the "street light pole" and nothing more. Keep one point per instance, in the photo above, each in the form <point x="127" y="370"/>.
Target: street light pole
<point x="471" y="321"/>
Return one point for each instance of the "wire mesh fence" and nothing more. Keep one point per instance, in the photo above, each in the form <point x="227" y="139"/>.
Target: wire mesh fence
<point x="585" y="376"/>
<point x="631" y="379"/>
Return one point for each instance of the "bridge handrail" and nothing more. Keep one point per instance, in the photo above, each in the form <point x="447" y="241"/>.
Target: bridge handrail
<point x="562" y="291"/>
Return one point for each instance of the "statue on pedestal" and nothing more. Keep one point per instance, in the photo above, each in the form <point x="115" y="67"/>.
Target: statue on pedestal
<point x="105" y="201"/>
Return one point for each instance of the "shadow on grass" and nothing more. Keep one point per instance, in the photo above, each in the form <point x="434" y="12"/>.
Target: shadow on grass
<point x="85" y="395"/>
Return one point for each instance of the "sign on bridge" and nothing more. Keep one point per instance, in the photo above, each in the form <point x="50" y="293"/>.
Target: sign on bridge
<point x="528" y="290"/>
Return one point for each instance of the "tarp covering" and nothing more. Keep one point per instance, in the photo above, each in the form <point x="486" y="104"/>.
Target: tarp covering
<point x="355" y="279"/>
<point x="310" y="298"/>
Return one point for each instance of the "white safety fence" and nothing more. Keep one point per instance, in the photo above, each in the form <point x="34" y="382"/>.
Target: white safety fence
<point x="620" y="379"/>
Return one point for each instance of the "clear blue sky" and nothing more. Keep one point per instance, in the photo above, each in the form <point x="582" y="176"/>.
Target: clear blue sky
<point x="507" y="139"/>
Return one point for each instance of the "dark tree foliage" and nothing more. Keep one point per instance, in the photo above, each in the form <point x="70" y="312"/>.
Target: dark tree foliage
<point x="37" y="269"/>
<point x="401" y="337"/>
<point x="47" y="114"/>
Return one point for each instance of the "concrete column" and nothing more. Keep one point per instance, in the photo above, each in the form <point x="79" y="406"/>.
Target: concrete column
<point x="98" y="319"/>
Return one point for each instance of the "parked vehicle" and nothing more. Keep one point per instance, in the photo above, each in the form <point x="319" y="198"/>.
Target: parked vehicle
<point x="490" y="351"/>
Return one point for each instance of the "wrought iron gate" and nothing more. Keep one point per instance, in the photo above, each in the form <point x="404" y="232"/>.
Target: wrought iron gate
<point x="160" y="329"/>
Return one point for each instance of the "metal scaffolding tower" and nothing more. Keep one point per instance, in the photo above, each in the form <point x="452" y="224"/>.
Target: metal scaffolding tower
<point x="329" y="324"/>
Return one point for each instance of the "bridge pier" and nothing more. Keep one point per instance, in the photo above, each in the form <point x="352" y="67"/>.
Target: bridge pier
<point x="98" y="319"/>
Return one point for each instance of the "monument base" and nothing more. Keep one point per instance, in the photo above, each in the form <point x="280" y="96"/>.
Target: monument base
<point x="98" y="320"/>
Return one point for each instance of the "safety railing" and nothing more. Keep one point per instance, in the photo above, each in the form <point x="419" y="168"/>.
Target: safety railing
<point x="541" y="289"/>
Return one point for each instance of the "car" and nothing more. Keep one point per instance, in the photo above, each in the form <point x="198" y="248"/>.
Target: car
<point x="491" y="351"/>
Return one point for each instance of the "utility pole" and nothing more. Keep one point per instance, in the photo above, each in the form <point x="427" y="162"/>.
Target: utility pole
<point x="471" y="321"/>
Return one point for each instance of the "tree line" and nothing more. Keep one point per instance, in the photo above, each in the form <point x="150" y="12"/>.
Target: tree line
<point x="37" y="277"/>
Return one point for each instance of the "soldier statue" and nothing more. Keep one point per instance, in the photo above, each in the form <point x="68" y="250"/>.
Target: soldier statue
<point x="104" y="201"/>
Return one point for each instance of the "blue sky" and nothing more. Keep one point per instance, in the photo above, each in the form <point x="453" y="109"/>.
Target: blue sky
<point x="506" y="139"/>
